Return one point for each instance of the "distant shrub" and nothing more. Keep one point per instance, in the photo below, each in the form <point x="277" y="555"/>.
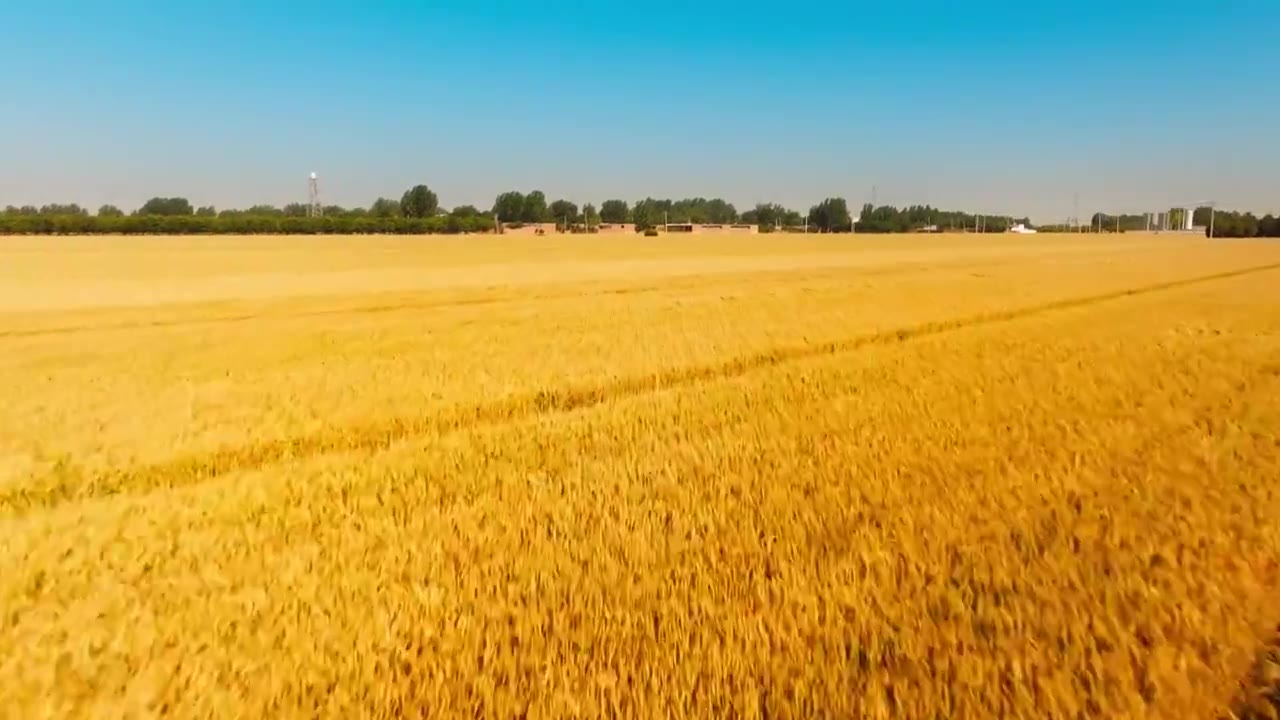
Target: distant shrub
<point x="651" y="232"/>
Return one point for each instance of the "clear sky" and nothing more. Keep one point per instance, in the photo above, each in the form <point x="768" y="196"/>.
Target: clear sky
<point x="1001" y="107"/>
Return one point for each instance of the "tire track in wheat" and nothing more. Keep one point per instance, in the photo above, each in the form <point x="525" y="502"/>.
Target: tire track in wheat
<point x="51" y="491"/>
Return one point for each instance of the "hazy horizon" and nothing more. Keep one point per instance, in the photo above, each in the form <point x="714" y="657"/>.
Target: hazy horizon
<point x="991" y="107"/>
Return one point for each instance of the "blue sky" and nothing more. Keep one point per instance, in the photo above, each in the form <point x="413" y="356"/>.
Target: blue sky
<point x="1000" y="107"/>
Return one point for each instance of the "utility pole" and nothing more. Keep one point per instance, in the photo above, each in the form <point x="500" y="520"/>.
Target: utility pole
<point x="1212" y="209"/>
<point x="1117" y="224"/>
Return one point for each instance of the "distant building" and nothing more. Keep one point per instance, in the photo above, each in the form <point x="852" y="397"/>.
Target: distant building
<point x="615" y="228"/>
<point x="1022" y="229"/>
<point x="712" y="228"/>
<point x="529" y="228"/>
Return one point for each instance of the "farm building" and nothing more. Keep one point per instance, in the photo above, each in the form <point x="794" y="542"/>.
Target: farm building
<point x="711" y="228"/>
<point x="529" y="228"/>
<point x="615" y="228"/>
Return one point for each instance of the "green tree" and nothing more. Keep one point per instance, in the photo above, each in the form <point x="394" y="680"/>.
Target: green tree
<point x="296" y="210"/>
<point x="509" y="206"/>
<point x="166" y="206"/>
<point x="419" y="202"/>
<point x="648" y="213"/>
<point x="535" y="207"/>
<point x="831" y="215"/>
<point x="590" y="216"/>
<point x="563" y="212"/>
<point x="1269" y="226"/>
<point x="384" y="208"/>
<point x="614" y="211"/>
<point x="56" y="209"/>
<point x="465" y="211"/>
<point x="110" y="211"/>
<point x="1249" y="223"/>
<point x="206" y="211"/>
<point x="720" y="212"/>
<point x="768" y="214"/>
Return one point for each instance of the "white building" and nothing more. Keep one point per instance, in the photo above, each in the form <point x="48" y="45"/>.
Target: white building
<point x="1021" y="229"/>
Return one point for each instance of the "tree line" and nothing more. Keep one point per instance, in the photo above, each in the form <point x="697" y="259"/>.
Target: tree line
<point x="237" y="225"/>
<point x="1232" y="224"/>
<point x="925" y="218"/>
<point x="1216" y="223"/>
<point x="418" y="211"/>
<point x="830" y="215"/>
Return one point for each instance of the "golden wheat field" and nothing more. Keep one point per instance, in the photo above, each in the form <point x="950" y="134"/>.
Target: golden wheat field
<point x="783" y="476"/>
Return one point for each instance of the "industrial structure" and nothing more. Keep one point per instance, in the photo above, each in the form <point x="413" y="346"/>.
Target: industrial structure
<point x="711" y="228"/>
<point x="529" y="228"/>
<point x="314" y="208"/>
<point x="615" y="228"/>
<point x="1174" y="220"/>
